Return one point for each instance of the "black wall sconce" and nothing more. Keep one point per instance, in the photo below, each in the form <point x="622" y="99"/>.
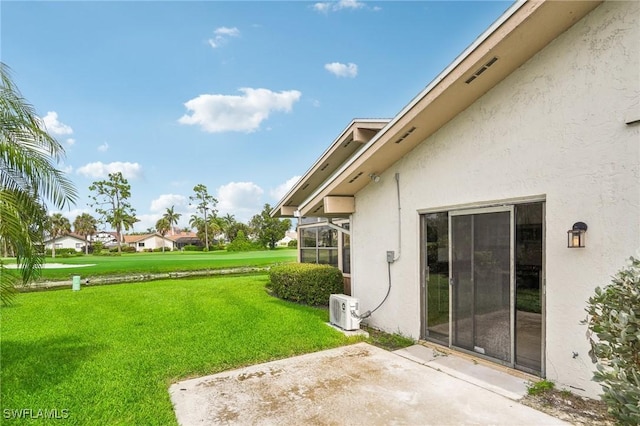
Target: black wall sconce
<point x="576" y="235"/>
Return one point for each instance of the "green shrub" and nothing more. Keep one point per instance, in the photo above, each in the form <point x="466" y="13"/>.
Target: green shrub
<point x="614" y="317"/>
<point x="306" y="283"/>
<point x="242" y="243"/>
<point x="191" y="247"/>
<point x="107" y="253"/>
<point x="293" y="244"/>
<point x="96" y="247"/>
<point x="63" y="252"/>
<point x="123" y="249"/>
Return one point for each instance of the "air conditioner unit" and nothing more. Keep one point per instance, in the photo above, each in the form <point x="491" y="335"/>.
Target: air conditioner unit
<point x="344" y="311"/>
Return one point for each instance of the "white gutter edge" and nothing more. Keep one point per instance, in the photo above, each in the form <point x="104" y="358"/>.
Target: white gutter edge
<point x="485" y="35"/>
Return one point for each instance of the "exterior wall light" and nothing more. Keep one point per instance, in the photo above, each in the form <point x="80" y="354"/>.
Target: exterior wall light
<point x="374" y="177"/>
<point x="576" y="235"/>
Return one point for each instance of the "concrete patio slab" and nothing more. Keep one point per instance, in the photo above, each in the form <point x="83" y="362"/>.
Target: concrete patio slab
<point x="350" y="385"/>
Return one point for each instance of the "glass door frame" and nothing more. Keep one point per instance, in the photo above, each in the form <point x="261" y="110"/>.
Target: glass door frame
<point x="471" y="212"/>
<point x="424" y="275"/>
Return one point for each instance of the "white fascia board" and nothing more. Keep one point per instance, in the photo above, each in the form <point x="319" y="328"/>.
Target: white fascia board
<point x="485" y="35"/>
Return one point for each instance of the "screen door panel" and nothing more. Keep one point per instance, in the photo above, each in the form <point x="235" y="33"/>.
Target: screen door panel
<point x="481" y="281"/>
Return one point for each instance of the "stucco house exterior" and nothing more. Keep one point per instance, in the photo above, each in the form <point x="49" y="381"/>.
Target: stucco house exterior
<point x="484" y="214"/>
<point x="66" y="241"/>
<point x="148" y="242"/>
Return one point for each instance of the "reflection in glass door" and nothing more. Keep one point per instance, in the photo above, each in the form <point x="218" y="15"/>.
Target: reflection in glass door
<point x="436" y="275"/>
<point x="481" y="282"/>
<point x="529" y="273"/>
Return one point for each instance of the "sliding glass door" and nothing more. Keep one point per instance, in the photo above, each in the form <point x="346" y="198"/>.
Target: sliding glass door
<point x="483" y="280"/>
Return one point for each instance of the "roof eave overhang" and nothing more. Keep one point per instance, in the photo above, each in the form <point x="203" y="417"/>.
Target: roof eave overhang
<point x="350" y="140"/>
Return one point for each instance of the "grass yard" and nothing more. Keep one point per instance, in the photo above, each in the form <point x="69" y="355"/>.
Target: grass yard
<point x="154" y="263"/>
<point x="108" y="354"/>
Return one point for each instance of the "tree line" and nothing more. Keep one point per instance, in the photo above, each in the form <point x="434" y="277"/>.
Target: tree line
<point x="30" y="182"/>
<point x="110" y="199"/>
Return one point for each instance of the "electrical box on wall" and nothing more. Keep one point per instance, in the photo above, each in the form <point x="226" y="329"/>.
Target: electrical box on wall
<point x="391" y="256"/>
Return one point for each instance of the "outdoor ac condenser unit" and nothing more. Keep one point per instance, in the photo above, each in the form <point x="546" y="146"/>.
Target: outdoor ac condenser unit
<point x="344" y="311"/>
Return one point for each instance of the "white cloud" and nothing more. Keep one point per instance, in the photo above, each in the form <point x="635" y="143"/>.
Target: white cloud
<point x="104" y="147"/>
<point x="281" y="190"/>
<point x="334" y="6"/>
<point x="227" y="113"/>
<point x="54" y="126"/>
<point x="322" y="7"/>
<point x="102" y="170"/>
<point x="221" y="36"/>
<point x="67" y="169"/>
<point x="342" y="70"/>
<point x="165" y="201"/>
<point x="226" y="31"/>
<point x="242" y="199"/>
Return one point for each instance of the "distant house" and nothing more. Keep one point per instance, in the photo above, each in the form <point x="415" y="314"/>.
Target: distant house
<point x="108" y="239"/>
<point x="182" y="238"/>
<point x="474" y="199"/>
<point x="148" y="242"/>
<point x="288" y="237"/>
<point x="66" y="241"/>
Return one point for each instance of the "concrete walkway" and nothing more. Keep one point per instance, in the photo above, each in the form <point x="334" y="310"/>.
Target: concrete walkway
<point x="358" y="385"/>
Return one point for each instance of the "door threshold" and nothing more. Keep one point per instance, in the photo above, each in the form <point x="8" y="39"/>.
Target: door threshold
<point x="482" y="361"/>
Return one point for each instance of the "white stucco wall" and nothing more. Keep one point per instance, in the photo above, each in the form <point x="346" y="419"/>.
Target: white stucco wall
<point x="554" y="128"/>
<point x="154" y="242"/>
<point x="67" y="242"/>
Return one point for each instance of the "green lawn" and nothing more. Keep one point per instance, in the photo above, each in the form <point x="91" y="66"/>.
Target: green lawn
<point x="108" y="354"/>
<point x="155" y="263"/>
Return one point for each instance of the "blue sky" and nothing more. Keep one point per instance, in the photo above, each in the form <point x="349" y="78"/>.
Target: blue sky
<point x="239" y="96"/>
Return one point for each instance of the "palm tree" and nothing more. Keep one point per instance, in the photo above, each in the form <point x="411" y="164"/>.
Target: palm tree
<point x="172" y="217"/>
<point x="58" y="226"/>
<point x="196" y="222"/>
<point x="128" y="220"/>
<point x="85" y="225"/>
<point x="28" y="179"/>
<point x="162" y="227"/>
<point x="199" y="224"/>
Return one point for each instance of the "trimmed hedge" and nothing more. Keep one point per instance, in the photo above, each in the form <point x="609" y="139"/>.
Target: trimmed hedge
<point x="306" y="283"/>
<point x="64" y="252"/>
